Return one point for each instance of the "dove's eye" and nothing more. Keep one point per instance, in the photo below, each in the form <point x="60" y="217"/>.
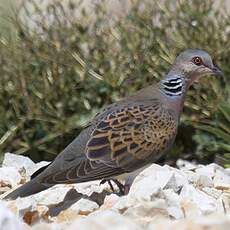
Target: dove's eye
<point x="197" y="61"/>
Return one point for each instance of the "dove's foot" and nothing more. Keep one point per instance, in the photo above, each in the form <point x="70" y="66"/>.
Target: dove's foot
<point x="123" y="189"/>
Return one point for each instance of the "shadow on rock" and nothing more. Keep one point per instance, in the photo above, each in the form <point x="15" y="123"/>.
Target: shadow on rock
<point x="72" y="196"/>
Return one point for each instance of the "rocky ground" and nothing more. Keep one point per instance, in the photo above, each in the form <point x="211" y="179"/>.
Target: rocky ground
<point x="191" y="197"/>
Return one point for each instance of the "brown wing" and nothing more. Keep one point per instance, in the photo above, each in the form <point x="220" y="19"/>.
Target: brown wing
<point x="84" y="170"/>
<point x="120" y="140"/>
<point x="127" y="137"/>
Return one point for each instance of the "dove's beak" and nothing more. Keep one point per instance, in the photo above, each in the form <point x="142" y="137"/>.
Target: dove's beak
<point x="217" y="71"/>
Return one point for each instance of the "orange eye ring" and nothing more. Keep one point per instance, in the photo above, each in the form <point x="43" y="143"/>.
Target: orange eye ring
<point x="197" y="61"/>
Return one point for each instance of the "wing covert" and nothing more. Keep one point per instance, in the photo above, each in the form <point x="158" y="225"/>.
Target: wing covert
<point x="130" y="134"/>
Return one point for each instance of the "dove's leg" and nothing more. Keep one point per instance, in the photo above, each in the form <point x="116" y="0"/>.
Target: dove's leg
<point x="109" y="182"/>
<point x="120" y="186"/>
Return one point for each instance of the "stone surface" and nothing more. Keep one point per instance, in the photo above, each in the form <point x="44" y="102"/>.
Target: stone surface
<point x="105" y="220"/>
<point x="19" y="162"/>
<point x="161" y="176"/>
<point x="8" y="221"/>
<point x="84" y="206"/>
<point x="190" y="197"/>
<point x="52" y="196"/>
<point x="9" y="176"/>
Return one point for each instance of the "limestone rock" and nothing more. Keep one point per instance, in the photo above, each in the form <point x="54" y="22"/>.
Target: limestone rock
<point x="88" y="188"/>
<point x="149" y="183"/>
<point x="111" y="200"/>
<point x="19" y="162"/>
<point x="185" y="165"/>
<point x="40" y="165"/>
<point x="84" y="206"/>
<point x="192" y="196"/>
<point x="212" y="222"/>
<point x="24" y="205"/>
<point x="105" y="220"/>
<point x="121" y="204"/>
<point x="9" y="176"/>
<point x="8" y="220"/>
<point x="53" y="195"/>
<point x="206" y="204"/>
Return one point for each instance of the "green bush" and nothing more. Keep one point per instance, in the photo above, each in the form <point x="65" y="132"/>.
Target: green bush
<point x="55" y="74"/>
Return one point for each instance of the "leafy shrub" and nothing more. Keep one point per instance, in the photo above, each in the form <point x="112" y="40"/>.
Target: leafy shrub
<point x="58" y="70"/>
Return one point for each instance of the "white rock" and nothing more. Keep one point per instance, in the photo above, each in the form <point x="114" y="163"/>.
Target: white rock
<point x="8" y="221"/>
<point x="84" y="206"/>
<point x="88" y="188"/>
<point x="215" y="193"/>
<point x="215" y="173"/>
<point x="19" y="162"/>
<point x="198" y="180"/>
<point x="201" y="176"/>
<point x="152" y="181"/>
<point x="173" y="201"/>
<point x="204" y="181"/>
<point x="205" y="175"/>
<point x="205" y="170"/>
<point x="149" y="183"/>
<point x="147" y="210"/>
<point x="205" y="203"/>
<point x="221" y="177"/>
<point x="50" y="226"/>
<point x="213" y="221"/>
<point x="186" y="165"/>
<point x="177" y="181"/>
<point x="164" y="204"/>
<point x="110" y="201"/>
<point x="40" y="165"/>
<point x="24" y="205"/>
<point x="112" y="198"/>
<point x="227" y="170"/>
<point x="158" y="195"/>
<point x="215" y="167"/>
<point x="53" y="195"/>
<point x="190" y="176"/>
<point x="225" y="202"/>
<point x="10" y="176"/>
<point x="104" y="220"/>
<point x="121" y="204"/>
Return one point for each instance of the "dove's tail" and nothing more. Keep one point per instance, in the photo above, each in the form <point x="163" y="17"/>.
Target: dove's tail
<point x="27" y="189"/>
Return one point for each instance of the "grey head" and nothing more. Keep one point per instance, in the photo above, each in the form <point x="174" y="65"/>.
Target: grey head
<point x="194" y="63"/>
<point x="188" y="67"/>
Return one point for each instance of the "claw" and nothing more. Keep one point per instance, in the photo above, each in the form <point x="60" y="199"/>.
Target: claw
<point x="103" y="181"/>
<point x="111" y="186"/>
<point x="120" y="186"/>
<point x="109" y="182"/>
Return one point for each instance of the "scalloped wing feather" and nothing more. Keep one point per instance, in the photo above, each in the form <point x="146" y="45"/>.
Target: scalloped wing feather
<point x="131" y="134"/>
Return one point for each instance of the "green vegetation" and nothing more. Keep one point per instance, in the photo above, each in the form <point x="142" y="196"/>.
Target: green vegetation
<point x="57" y="71"/>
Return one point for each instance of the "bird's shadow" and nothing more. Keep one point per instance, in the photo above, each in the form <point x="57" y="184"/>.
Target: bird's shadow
<point x="73" y="196"/>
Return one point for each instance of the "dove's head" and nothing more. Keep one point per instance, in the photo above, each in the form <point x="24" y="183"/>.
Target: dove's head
<point x="193" y="63"/>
